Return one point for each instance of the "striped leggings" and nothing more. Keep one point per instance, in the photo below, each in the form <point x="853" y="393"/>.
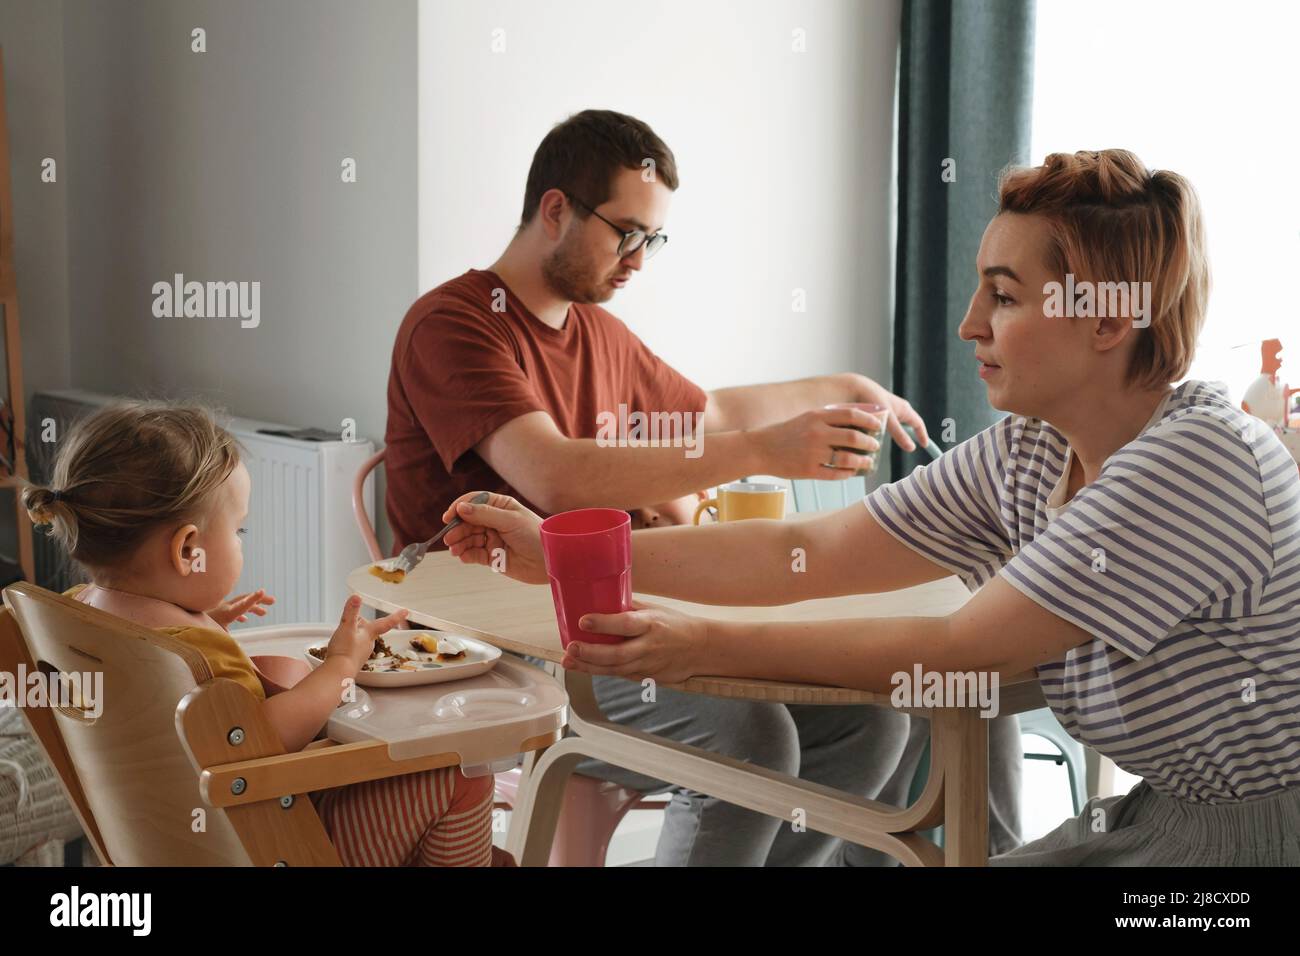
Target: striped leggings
<point x="432" y="818"/>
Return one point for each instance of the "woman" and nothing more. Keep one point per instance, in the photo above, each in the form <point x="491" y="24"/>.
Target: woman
<point x="1137" y="543"/>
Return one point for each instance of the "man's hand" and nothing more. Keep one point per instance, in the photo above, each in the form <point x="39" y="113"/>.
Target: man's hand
<point x="901" y="412"/>
<point x="662" y="643"/>
<point x="240" y="606"/>
<point x="354" y="638"/>
<point x="501" y="525"/>
<point x="812" y="445"/>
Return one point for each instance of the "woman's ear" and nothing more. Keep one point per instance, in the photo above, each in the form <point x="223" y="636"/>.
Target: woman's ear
<point x="1110" y="332"/>
<point x="184" y="552"/>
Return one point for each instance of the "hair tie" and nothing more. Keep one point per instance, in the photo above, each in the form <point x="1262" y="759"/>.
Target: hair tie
<point x="58" y="496"/>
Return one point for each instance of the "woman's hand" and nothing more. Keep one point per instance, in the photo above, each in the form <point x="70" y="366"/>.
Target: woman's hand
<point x="662" y="643"/>
<point x="240" y="606"/>
<point x="502" y="534"/>
<point x="354" y="638"/>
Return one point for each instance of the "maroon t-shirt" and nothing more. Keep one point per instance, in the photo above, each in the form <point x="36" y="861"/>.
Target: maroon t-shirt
<point x="462" y="370"/>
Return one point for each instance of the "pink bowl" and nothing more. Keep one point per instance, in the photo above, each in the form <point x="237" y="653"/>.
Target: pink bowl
<point x="278" y="673"/>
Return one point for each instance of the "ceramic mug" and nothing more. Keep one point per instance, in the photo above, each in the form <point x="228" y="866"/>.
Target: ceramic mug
<point x="745" y="499"/>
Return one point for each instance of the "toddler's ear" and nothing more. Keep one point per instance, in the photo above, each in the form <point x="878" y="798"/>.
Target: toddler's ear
<point x="184" y="553"/>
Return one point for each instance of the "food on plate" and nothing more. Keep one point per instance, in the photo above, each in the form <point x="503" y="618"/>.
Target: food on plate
<point x="383" y="659"/>
<point x="446" y="648"/>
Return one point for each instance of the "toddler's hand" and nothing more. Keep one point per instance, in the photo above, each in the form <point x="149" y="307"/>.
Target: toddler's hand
<point x="354" y="638"/>
<point x="240" y="606"/>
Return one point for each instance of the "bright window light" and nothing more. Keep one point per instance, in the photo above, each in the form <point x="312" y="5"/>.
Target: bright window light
<point x="1208" y="90"/>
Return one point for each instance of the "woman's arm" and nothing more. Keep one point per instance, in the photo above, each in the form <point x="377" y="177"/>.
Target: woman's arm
<point x="763" y="563"/>
<point x="745" y="563"/>
<point x="998" y="630"/>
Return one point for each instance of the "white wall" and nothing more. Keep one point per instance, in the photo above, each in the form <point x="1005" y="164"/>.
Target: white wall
<point x="784" y="158"/>
<point x="225" y="166"/>
<point x="31" y="35"/>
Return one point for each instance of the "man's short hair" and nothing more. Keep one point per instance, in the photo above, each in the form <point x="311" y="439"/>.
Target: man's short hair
<point x="582" y="155"/>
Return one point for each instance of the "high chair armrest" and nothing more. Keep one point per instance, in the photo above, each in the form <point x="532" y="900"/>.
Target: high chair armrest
<point x="327" y="765"/>
<point x="322" y="767"/>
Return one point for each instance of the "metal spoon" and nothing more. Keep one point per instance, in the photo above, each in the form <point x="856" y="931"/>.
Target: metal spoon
<point x="413" y="554"/>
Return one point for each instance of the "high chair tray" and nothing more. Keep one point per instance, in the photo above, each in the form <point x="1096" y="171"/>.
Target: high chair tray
<point x="485" y="719"/>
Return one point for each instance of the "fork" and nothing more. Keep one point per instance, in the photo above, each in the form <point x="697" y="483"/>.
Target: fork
<point x="413" y="554"/>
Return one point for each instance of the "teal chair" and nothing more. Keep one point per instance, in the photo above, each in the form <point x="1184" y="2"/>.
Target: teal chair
<point x="1043" y="723"/>
<point x="1038" y="723"/>
<point x="813" y="495"/>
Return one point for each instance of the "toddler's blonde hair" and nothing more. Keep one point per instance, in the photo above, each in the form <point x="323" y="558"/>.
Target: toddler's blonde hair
<point x="127" y="470"/>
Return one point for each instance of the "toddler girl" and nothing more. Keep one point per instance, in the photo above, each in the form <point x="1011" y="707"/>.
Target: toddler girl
<point x="150" y="499"/>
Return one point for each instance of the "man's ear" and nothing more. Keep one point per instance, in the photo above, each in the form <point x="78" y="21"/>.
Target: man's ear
<point x="553" y="209"/>
<point x="185" y="554"/>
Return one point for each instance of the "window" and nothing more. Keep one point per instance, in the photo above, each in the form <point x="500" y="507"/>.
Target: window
<point x="1208" y="90"/>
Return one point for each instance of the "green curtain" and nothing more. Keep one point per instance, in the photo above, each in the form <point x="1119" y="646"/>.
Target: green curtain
<point x="965" y="94"/>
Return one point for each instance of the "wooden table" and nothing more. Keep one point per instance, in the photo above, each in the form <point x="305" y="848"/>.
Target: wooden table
<point x="445" y="594"/>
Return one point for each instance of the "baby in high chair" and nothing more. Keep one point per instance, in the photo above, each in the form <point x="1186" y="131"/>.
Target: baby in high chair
<point x="149" y="499"/>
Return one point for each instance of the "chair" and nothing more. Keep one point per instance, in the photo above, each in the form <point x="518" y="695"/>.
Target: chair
<point x="359" y="505"/>
<point x="1043" y="723"/>
<point x="143" y="772"/>
<point x="814" y="495"/>
<point x="37" y="823"/>
<point x="593" y="808"/>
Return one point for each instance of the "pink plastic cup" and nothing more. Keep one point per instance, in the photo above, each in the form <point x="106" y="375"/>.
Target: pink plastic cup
<point x="588" y="556"/>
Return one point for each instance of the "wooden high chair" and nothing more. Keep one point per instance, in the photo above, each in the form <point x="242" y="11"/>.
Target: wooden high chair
<point x="178" y="768"/>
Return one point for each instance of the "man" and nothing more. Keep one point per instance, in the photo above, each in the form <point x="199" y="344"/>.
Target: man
<point x="501" y="379"/>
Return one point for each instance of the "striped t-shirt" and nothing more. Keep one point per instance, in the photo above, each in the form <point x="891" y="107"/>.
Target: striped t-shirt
<point x="1182" y="560"/>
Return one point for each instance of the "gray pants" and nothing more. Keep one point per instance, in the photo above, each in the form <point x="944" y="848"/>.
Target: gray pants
<point x="1147" y="828"/>
<point x="1006" y="768"/>
<point x="863" y="750"/>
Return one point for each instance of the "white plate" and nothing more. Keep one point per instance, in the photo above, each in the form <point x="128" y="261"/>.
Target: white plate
<point x="479" y="658"/>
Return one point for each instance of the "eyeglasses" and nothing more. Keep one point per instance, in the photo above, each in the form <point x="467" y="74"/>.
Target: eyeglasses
<point x="632" y="240"/>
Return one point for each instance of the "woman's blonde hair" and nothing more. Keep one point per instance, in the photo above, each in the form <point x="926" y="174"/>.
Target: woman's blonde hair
<point x="1114" y="220"/>
<point x="127" y="470"/>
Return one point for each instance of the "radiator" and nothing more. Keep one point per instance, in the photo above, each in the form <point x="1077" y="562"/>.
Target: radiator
<point x="302" y="539"/>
